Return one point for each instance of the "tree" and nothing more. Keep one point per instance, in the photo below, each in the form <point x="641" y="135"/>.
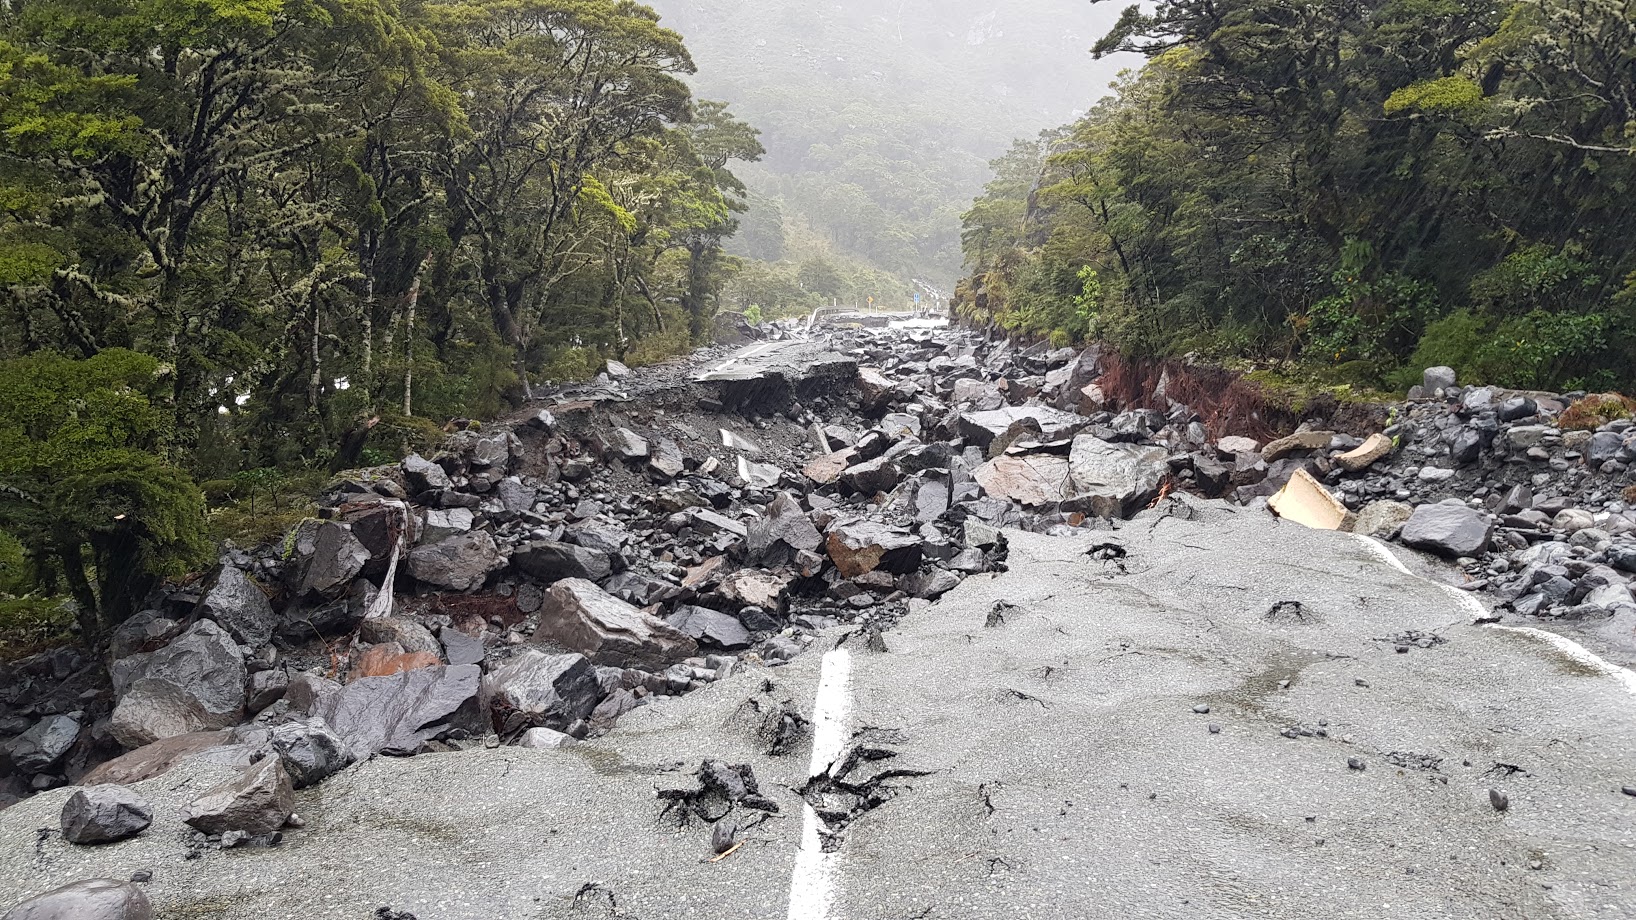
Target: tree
<point x="85" y="484"/>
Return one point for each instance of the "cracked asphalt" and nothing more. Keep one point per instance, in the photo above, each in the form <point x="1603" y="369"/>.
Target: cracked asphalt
<point x="1070" y="775"/>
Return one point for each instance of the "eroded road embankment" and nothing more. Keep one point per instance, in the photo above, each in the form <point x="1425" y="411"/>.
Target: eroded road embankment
<point x="1035" y="745"/>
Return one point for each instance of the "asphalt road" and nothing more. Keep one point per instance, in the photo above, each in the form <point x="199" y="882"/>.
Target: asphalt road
<point x="1066" y="773"/>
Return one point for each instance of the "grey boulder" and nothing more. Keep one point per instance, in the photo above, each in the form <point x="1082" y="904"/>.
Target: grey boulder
<point x="581" y="617"/>
<point x="1115" y="480"/>
<point x="461" y="563"/>
<point x="103" y="814"/>
<point x="536" y="689"/>
<point x="240" y="606"/>
<point x="311" y="751"/>
<point x="193" y="684"/>
<point x="548" y="560"/>
<point x="256" y="802"/>
<point x="711" y="628"/>
<point x="39" y="748"/>
<point x="328" y="558"/>
<point x="1448" y="529"/>
<point x="89" y="899"/>
<point x="398" y="713"/>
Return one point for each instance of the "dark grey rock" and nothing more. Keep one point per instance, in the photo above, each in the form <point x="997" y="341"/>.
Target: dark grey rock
<point x="327" y="558"/>
<point x="461" y="563"/>
<point x="1449" y="529"/>
<point x="193" y="684"/>
<point x="459" y="648"/>
<point x="581" y="617"/>
<point x="422" y="475"/>
<point x="311" y="751"/>
<point x="711" y="628"/>
<point x="548" y="560"/>
<point x="39" y="748"/>
<point x="239" y="605"/>
<point x="1115" y="480"/>
<point x="90" y="899"/>
<point x="782" y="531"/>
<point x="537" y="689"/>
<point x="103" y="814"/>
<point x="399" y="713"/>
<point x="1518" y="408"/>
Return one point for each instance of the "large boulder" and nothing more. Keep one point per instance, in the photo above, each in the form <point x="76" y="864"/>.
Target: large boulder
<point x="88" y="899"/>
<point x="328" y="557"/>
<point x="782" y="531"/>
<point x="256" y="802"/>
<point x="711" y="628"/>
<point x="399" y="713"/>
<point x="538" y="689"/>
<point x="1115" y="480"/>
<point x="460" y="563"/>
<point x="193" y="684"/>
<point x="1448" y="529"/>
<point x="1033" y="480"/>
<point x="159" y="757"/>
<point x="860" y="547"/>
<point x="980" y="428"/>
<point x="103" y="814"/>
<point x="240" y="606"/>
<point x="45" y="743"/>
<point x="311" y="751"/>
<point x="581" y="617"/>
<point x="548" y="560"/>
<point x="422" y="475"/>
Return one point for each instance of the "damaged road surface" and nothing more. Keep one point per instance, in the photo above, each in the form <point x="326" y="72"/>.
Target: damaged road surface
<point x="1206" y="713"/>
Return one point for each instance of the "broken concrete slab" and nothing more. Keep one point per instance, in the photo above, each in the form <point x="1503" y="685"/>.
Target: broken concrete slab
<point x="1374" y="449"/>
<point x="1305" y="501"/>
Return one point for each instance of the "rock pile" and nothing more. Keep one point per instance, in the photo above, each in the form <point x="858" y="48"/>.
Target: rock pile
<point x="650" y="534"/>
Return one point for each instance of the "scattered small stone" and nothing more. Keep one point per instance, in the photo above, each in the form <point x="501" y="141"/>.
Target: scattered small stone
<point x="1202" y="709"/>
<point x="1215" y="729"/>
<point x="1354" y="763"/>
<point x="1499" y="800"/>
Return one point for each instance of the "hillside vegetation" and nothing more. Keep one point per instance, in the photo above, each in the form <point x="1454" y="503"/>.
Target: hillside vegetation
<point x="1360" y="188"/>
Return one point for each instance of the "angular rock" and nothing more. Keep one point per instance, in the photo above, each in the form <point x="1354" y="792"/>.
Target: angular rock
<point x="667" y="460"/>
<point x="548" y="560"/>
<point x="193" y="684"/>
<point x="782" y="531"/>
<point x="422" y="475"/>
<point x="311" y="751"/>
<point x="1374" y="449"/>
<point x="1382" y="519"/>
<point x="388" y="659"/>
<point x="626" y="444"/>
<point x="439" y="524"/>
<point x="545" y="739"/>
<point x="983" y="427"/>
<point x="408" y="634"/>
<point x="1448" y="529"/>
<point x="536" y="689"/>
<point x="258" y="801"/>
<point x="400" y="713"/>
<point x="104" y="814"/>
<point x="862" y="547"/>
<point x="1238" y="446"/>
<point x="758" y="475"/>
<point x="1032" y="480"/>
<point x="89" y="899"/>
<point x="878" y="475"/>
<point x="45" y="743"/>
<point x="329" y="558"/>
<point x="1115" y="480"/>
<point x="240" y="606"/>
<point x="581" y="617"/>
<point x="461" y="563"/>
<point x="827" y="470"/>
<point x="751" y="588"/>
<point x="711" y="628"/>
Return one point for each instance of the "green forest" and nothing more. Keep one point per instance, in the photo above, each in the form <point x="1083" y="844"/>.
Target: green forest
<point x="1354" y="190"/>
<point x="241" y="238"/>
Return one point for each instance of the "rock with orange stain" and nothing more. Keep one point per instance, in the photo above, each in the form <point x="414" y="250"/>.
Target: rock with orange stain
<point x="390" y="658"/>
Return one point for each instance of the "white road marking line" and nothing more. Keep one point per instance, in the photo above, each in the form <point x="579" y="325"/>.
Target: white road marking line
<point x="812" y="881"/>
<point x="1624" y="676"/>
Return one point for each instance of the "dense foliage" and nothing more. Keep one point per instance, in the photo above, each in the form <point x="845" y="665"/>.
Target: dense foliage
<point x="316" y="211"/>
<point x="244" y="235"/>
<point x="1367" y="186"/>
